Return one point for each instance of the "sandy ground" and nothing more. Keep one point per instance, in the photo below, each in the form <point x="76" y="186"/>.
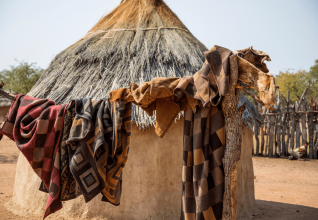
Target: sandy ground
<point x="285" y="190"/>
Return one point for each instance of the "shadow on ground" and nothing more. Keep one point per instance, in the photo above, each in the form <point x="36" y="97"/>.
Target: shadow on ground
<point x="8" y="159"/>
<point x="284" y="211"/>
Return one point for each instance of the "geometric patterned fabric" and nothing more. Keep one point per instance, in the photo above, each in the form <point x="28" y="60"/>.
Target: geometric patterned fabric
<point x="202" y="167"/>
<point x="69" y="187"/>
<point x="98" y="147"/>
<point x="36" y="127"/>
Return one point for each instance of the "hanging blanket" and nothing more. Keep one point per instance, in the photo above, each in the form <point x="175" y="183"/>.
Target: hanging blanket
<point x="98" y="147"/>
<point x="202" y="172"/>
<point x="204" y="138"/>
<point x="36" y="127"/>
<point x="68" y="185"/>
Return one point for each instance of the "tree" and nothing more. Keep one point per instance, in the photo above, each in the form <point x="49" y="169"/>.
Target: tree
<point x="312" y="80"/>
<point x="295" y="82"/>
<point x="20" y="78"/>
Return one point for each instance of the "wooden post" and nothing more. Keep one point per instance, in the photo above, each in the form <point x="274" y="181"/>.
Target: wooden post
<point x="287" y="128"/>
<point x="293" y="129"/>
<point x="303" y="122"/>
<point x="283" y="127"/>
<point x="256" y="132"/>
<point x="271" y="135"/>
<point x="298" y="105"/>
<point x="266" y="135"/>
<point x="278" y="128"/>
<point x="262" y="130"/>
<point x="311" y="131"/>
<point x="233" y="129"/>
<point x="278" y="135"/>
<point x="316" y="133"/>
<point x="296" y="118"/>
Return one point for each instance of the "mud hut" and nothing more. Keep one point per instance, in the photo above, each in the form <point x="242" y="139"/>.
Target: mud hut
<point x="136" y="42"/>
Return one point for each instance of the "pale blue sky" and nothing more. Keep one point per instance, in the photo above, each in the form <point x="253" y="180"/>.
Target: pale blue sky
<point x="37" y="30"/>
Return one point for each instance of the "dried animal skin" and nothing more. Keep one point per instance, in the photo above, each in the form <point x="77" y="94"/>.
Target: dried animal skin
<point x="253" y="71"/>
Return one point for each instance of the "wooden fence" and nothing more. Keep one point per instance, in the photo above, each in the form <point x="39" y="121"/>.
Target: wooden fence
<point x="287" y="127"/>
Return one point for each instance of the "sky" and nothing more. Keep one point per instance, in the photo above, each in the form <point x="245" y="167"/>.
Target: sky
<point x="36" y="30"/>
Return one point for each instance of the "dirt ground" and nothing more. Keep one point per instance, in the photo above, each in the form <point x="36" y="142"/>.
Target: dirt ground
<point x="284" y="189"/>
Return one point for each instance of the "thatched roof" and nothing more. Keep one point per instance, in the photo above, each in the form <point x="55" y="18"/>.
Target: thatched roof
<point x="4" y="102"/>
<point x="251" y="114"/>
<point x="156" y="44"/>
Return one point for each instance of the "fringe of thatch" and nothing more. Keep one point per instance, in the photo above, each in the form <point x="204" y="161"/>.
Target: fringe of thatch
<point x="251" y="115"/>
<point x="107" y="59"/>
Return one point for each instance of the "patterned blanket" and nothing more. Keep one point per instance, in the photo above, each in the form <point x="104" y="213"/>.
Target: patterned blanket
<point x="68" y="185"/>
<point x="204" y="138"/>
<point x="98" y="147"/>
<point x="35" y="125"/>
<point x="202" y="172"/>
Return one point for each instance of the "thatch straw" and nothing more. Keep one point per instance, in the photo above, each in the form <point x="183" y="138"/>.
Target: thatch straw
<point x="106" y="59"/>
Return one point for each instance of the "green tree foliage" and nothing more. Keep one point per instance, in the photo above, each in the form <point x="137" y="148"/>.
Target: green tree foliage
<point x="292" y="81"/>
<point x="20" y="78"/>
<point x="297" y="81"/>
<point x="312" y="80"/>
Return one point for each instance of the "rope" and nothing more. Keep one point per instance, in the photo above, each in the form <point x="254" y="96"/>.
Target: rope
<point x="135" y="30"/>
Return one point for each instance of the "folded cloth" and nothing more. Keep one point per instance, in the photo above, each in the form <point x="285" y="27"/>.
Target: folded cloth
<point x="68" y="185"/>
<point x="209" y="84"/>
<point x="36" y="127"/>
<point x="156" y="95"/>
<point x="98" y="146"/>
<point x="202" y="171"/>
<point x="169" y="96"/>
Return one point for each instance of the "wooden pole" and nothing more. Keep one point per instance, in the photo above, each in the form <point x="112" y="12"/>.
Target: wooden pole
<point x="271" y="136"/>
<point x="287" y="127"/>
<point x="316" y="133"/>
<point x="278" y="135"/>
<point x="233" y="129"/>
<point x="262" y="133"/>
<point x="256" y="133"/>
<point x="7" y="95"/>
<point x="298" y="132"/>
<point x="298" y="105"/>
<point x="267" y="135"/>
<point x="304" y="122"/>
<point x="311" y="131"/>
<point x="293" y="129"/>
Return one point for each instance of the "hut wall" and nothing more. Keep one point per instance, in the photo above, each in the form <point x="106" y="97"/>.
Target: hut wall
<point x="246" y="205"/>
<point x="3" y="112"/>
<point x="151" y="182"/>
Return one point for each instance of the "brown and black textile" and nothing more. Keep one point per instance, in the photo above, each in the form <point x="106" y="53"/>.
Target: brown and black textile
<point x="68" y="185"/>
<point x="209" y="84"/>
<point x="204" y="138"/>
<point x="98" y="145"/>
<point x="202" y="172"/>
<point x="156" y="95"/>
